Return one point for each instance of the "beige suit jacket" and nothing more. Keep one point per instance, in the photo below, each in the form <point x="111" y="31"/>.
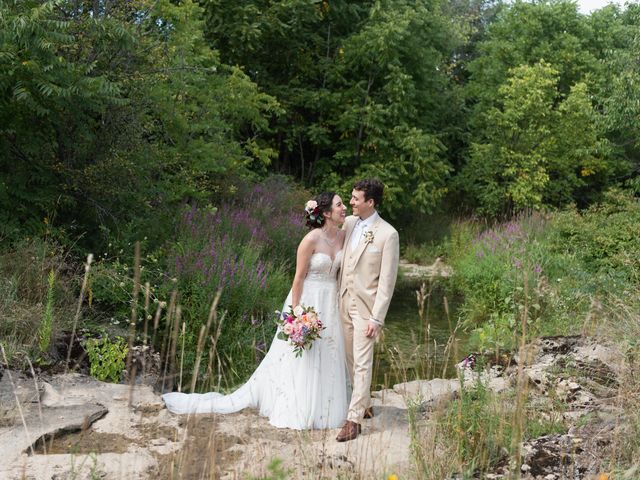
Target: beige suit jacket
<point x="369" y="272"/>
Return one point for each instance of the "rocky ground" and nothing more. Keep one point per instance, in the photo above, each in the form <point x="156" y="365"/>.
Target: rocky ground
<point x="70" y="426"/>
<point x="414" y="271"/>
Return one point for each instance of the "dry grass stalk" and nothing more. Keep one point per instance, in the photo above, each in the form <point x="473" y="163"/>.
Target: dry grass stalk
<point x="76" y="318"/>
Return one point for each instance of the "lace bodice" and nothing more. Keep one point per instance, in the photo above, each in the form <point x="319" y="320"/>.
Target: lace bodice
<point x="322" y="267"/>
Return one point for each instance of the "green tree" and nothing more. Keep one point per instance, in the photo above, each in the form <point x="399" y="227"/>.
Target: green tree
<point x="561" y="147"/>
<point x="42" y="88"/>
<point x="619" y="90"/>
<point x="112" y="109"/>
<point x="364" y="87"/>
<point x="523" y="34"/>
<point x="540" y="148"/>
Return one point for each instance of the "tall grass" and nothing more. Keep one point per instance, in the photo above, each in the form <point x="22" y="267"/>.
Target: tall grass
<point x="37" y="295"/>
<point x="566" y="272"/>
<point x="243" y="248"/>
<point x="46" y="326"/>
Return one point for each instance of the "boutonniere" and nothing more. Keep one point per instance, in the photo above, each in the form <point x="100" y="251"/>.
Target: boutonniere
<point x="368" y="236"/>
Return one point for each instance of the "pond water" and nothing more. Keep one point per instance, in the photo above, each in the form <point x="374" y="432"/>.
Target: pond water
<point x="415" y="346"/>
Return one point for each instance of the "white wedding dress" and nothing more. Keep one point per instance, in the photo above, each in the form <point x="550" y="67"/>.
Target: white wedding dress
<point x="293" y="392"/>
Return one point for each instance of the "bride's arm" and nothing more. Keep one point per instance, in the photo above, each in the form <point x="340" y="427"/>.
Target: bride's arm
<point x="305" y="250"/>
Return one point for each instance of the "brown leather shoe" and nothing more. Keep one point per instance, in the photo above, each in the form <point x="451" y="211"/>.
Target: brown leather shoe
<point x="350" y="430"/>
<point x="368" y="413"/>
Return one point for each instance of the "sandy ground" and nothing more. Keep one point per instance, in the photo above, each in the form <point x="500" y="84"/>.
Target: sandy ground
<point x="73" y="426"/>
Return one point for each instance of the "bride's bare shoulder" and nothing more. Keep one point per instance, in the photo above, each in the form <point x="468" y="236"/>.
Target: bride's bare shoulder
<point x="311" y="237"/>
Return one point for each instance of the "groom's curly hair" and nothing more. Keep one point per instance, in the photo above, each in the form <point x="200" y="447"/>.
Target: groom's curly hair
<point x="372" y="188"/>
<point x="325" y="202"/>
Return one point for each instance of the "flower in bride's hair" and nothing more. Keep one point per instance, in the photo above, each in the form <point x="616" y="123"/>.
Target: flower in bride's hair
<point x="313" y="215"/>
<point x="310" y="206"/>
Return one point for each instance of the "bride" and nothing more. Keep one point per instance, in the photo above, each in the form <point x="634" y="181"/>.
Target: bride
<point x="298" y="392"/>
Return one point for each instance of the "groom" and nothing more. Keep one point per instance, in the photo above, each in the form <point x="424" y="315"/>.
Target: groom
<point x="368" y="275"/>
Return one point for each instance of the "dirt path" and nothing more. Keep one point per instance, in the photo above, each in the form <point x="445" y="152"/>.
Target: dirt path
<point x="93" y="429"/>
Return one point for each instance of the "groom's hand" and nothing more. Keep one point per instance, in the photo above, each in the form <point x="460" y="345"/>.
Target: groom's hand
<point x="372" y="329"/>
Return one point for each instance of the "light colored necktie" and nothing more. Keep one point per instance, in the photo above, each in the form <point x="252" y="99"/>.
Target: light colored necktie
<point x="355" y="236"/>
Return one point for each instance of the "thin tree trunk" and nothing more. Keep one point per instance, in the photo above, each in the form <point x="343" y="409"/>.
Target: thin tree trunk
<point x="316" y="157"/>
<point x="361" y="129"/>
<point x="301" y="158"/>
<point x="324" y="77"/>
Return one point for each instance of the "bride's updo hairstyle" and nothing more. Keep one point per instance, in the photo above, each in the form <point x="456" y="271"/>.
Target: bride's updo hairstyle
<point x="315" y="209"/>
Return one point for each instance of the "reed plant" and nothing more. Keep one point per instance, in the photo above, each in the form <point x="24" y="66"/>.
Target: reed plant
<point x="480" y="430"/>
<point x="37" y="295"/>
<point x="46" y="326"/>
<point x="244" y="247"/>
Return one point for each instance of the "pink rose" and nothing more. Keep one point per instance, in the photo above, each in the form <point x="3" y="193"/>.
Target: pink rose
<point x="310" y="206"/>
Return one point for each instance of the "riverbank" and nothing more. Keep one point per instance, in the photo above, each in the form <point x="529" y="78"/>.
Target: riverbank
<point x="100" y="430"/>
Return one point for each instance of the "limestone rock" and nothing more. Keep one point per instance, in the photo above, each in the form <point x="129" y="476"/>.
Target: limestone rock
<point x="429" y="393"/>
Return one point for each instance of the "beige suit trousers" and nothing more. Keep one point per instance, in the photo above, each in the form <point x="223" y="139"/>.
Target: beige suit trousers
<point x="359" y="350"/>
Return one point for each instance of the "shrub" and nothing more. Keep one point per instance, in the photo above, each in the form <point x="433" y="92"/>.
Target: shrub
<point x="107" y="358"/>
<point x="245" y="248"/>
<point x="491" y="271"/>
<point x="557" y="268"/>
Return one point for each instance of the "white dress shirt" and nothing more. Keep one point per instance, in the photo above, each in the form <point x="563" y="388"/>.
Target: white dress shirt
<point x="361" y="227"/>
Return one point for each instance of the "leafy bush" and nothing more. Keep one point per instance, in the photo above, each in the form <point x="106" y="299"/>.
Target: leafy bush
<point x="491" y="272"/>
<point x="554" y="269"/>
<point x="107" y="358"/>
<point x="111" y="283"/>
<point x="245" y="248"/>
<point x="606" y="237"/>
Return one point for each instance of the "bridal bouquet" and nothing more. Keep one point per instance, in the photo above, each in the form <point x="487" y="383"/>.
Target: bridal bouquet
<point x="300" y="326"/>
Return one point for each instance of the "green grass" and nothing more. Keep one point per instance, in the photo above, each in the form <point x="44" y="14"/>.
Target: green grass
<point x="31" y="301"/>
<point x="567" y="272"/>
